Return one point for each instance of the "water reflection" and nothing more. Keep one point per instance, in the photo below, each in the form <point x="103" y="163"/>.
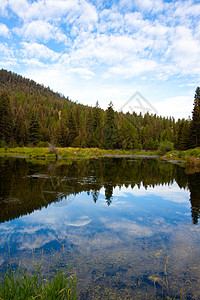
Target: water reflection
<point x="25" y="187"/>
<point x="115" y="221"/>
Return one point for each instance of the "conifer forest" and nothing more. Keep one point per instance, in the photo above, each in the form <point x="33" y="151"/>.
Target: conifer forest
<point x="33" y="115"/>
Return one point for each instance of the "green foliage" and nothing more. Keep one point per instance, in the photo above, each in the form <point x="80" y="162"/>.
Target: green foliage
<point x="110" y="130"/>
<point x="34" y="130"/>
<point x="32" y="114"/>
<point x="165" y="146"/>
<point x="183" y="135"/>
<point x="195" y="123"/>
<point x="150" y="144"/>
<point x="192" y="161"/>
<point x="6" y="124"/>
<point x="20" y="285"/>
<point x="42" y="144"/>
<point x="156" y="144"/>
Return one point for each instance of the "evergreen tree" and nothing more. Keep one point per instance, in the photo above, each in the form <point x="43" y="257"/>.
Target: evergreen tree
<point x="6" y="124"/>
<point x="63" y="135"/>
<point x="195" y="123"/>
<point x="34" y="130"/>
<point x="72" y="128"/>
<point x="110" y="130"/>
<point x="96" y="136"/>
<point x="20" y="128"/>
<point x="183" y="135"/>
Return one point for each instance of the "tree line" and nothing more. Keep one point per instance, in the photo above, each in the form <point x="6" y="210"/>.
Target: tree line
<point x="32" y="115"/>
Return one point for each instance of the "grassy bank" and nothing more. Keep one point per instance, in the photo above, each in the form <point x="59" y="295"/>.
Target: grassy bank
<point x="184" y="155"/>
<point x="21" y="285"/>
<point x="189" y="158"/>
<point x="66" y="153"/>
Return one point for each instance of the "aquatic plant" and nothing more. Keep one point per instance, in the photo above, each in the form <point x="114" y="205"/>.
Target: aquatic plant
<point x="21" y="285"/>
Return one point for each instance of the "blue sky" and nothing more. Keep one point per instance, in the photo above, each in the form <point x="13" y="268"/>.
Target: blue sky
<point x="106" y="50"/>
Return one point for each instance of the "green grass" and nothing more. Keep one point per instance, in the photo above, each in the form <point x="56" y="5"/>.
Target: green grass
<point x="22" y="286"/>
<point x="183" y="155"/>
<point x="40" y="153"/>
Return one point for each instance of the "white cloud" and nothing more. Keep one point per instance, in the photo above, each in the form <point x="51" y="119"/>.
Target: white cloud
<point x="49" y="9"/>
<point x="117" y="46"/>
<point x="149" y="5"/>
<point x="83" y="72"/>
<point x="20" y="7"/>
<point x="79" y="11"/>
<point x="35" y="50"/>
<point x="78" y="223"/>
<point x="4" y="31"/>
<point x="186" y="8"/>
<point x="185" y="51"/>
<point x="3" y="5"/>
<point x="134" y="68"/>
<point x="6" y="53"/>
<point x="179" y="106"/>
<point x="33" y="62"/>
<point x="135" y="20"/>
<point x="110" y="50"/>
<point x="126" y="4"/>
<point x="130" y="227"/>
<point x="88" y="13"/>
<point x="41" y="30"/>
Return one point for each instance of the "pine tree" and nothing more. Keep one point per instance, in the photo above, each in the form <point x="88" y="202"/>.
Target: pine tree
<point x="6" y="124"/>
<point x="110" y="130"/>
<point x="96" y="136"/>
<point x="183" y="135"/>
<point x="72" y="128"/>
<point x="195" y="123"/>
<point x="34" y="130"/>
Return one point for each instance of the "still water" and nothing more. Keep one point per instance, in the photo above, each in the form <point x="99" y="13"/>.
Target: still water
<point x="127" y="227"/>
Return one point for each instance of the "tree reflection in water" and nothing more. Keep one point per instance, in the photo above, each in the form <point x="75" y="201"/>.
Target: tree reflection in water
<point x="25" y="187"/>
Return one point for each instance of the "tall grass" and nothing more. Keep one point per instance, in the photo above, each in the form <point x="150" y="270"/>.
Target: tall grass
<point x="192" y="161"/>
<point x="65" y="153"/>
<point x="20" y="285"/>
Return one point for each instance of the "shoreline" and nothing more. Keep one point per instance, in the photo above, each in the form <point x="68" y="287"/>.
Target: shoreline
<point x="190" y="159"/>
<point x="71" y="153"/>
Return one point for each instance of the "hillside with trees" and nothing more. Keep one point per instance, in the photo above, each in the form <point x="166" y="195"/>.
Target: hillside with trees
<point x="32" y="115"/>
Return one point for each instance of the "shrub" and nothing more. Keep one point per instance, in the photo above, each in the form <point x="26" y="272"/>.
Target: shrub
<point x="192" y="161"/>
<point x="165" y="146"/>
<point x="2" y="144"/>
<point x="42" y="144"/>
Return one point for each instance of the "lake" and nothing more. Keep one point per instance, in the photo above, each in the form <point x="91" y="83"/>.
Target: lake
<point x="127" y="227"/>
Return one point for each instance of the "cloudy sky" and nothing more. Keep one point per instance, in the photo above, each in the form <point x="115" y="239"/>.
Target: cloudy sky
<point x="105" y="50"/>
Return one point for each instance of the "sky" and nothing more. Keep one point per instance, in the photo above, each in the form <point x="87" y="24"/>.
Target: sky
<point x="141" y="55"/>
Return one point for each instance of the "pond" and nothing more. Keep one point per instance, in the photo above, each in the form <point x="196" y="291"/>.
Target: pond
<point x="127" y="227"/>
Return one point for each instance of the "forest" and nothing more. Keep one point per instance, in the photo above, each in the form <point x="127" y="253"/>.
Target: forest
<point x="33" y="115"/>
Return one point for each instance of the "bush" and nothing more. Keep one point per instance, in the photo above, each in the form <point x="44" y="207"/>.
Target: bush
<point x="2" y="144"/>
<point x="150" y="144"/>
<point x="165" y="146"/>
<point x="192" y="161"/>
<point x="42" y="144"/>
<point x="137" y="146"/>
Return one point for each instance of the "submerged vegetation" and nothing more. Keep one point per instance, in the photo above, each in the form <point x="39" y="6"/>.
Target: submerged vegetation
<point x="21" y="285"/>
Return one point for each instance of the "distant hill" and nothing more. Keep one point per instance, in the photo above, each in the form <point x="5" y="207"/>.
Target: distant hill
<point x="32" y="114"/>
